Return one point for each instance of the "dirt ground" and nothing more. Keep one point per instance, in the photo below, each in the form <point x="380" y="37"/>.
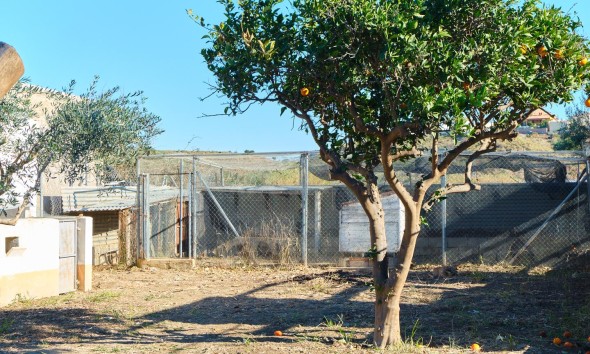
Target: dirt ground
<point x="212" y="309"/>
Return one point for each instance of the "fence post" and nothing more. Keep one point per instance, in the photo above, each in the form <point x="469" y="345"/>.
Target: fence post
<point x="304" y="170"/>
<point x="190" y="215"/>
<point x="180" y="211"/>
<point x="443" y="217"/>
<point x="147" y="230"/>
<point x="195" y="225"/>
<point x="138" y="232"/>
<point x="139" y="224"/>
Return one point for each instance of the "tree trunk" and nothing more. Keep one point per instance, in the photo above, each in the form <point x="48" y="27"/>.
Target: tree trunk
<point x="388" y="294"/>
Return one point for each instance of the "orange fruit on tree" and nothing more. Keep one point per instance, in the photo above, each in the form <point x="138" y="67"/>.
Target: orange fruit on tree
<point x="475" y="347"/>
<point x="278" y="333"/>
<point x="558" y="54"/>
<point x="542" y="51"/>
<point x="557" y="341"/>
<point x="568" y="345"/>
<point x="583" y="61"/>
<point x="304" y="91"/>
<point x="587" y="104"/>
<point x="567" y="334"/>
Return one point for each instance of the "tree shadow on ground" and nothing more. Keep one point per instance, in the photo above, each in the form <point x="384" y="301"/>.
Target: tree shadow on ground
<point x="507" y="311"/>
<point x="290" y="315"/>
<point x="501" y="310"/>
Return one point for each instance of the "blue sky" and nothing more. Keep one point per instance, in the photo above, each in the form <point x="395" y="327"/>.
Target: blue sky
<point x="153" y="46"/>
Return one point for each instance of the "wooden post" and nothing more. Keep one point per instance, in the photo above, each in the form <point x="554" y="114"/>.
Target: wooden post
<point x="11" y="68"/>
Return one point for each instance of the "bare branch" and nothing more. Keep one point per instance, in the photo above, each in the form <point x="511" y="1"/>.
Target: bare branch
<point x="488" y="146"/>
<point x="434" y="152"/>
<point x="502" y="135"/>
<point x="406" y="153"/>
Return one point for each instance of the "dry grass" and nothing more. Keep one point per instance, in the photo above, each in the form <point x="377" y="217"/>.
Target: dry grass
<point x="212" y="309"/>
<point x="274" y="241"/>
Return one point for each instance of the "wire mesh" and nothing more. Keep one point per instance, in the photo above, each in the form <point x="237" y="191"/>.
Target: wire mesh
<point x="531" y="209"/>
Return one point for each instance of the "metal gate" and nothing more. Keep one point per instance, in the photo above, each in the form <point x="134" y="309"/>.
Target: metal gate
<point x="67" y="255"/>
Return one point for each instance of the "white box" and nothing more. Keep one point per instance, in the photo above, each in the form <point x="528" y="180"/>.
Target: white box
<point x="353" y="233"/>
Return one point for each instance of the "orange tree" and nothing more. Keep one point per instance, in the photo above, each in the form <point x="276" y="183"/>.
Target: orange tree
<point x="371" y="79"/>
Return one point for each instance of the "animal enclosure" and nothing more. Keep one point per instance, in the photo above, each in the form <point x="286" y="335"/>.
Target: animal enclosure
<point x="532" y="209"/>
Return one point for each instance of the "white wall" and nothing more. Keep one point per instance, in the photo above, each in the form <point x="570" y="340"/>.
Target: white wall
<point x="30" y="270"/>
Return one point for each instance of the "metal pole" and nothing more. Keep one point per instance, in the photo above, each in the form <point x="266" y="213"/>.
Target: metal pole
<point x="304" y="194"/>
<point x="139" y="234"/>
<point x="222" y="178"/>
<point x="139" y="231"/>
<point x="443" y="212"/>
<point x="190" y="214"/>
<point x="225" y="217"/>
<point x="195" y="225"/>
<point x="146" y="204"/>
<point x="180" y="211"/>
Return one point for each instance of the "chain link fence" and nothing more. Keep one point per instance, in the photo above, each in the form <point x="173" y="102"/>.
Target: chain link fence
<point x="532" y="210"/>
<point x="282" y="208"/>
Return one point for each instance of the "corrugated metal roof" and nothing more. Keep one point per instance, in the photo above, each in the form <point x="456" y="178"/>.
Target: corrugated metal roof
<point x="109" y="198"/>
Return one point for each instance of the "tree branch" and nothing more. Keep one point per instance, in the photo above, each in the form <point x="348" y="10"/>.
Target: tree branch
<point x="12" y="221"/>
<point x="502" y="135"/>
<point x="487" y="147"/>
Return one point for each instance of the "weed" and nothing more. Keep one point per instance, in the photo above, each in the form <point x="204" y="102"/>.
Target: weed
<point x="22" y="299"/>
<point x="275" y="239"/>
<point x="453" y="342"/>
<point x="347" y="337"/>
<point x="411" y="338"/>
<point x="5" y="326"/>
<point x="477" y="277"/>
<point x="330" y="323"/>
<point x="511" y="342"/>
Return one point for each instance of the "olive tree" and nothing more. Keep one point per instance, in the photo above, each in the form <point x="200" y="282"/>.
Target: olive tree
<point x="75" y="134"/>
<point x="372" y="79"/>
